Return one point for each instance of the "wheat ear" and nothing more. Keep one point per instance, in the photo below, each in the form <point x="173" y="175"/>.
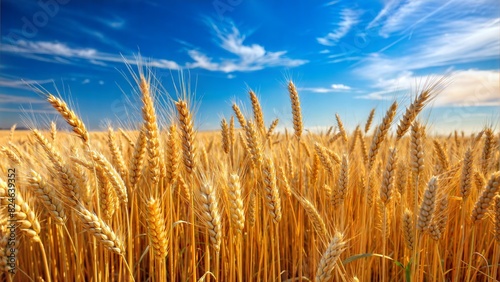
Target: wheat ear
<point x="66" y="176"/>
<point x="271" y="196"/>
<point x="186" y="126"/>
<point x="369" y="120"/>
<point x="210" y="214"/>
<point x="408" y="229"/>
<point x="71" y="118"/>
<point x="381" y="133"/>
<point x="387" y="187"/>
<point x="330" y="256"/>
<point x="467" y="174"/>
<point x="156" y="228"/>
<point x="225" y="135"/>
<point x="428" y="205"/>
<point x="135" y="170"/>
<point x="342" y="131"/>
<point x="151" y="129"/>
<point x="236" y="203"/>
<point x="100" y="230"/>
<point x="112" y="175"/>
<point x="116" y="154"/>
<point x="48" y="197"/>
<point x="239" y="116"/>
<point x="486" y="197"/>
<point x="172" y="160"/>
<point x="296" y="112"/>
<point x="257" y="112"/>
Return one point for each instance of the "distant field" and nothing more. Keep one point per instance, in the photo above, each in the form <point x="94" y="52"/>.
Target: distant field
<point x="385" y="202"/>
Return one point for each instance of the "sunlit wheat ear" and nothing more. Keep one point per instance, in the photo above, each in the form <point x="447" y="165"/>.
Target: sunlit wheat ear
<point x="484" y="201"/>
<point x="257" y="112"/>
<point x="342" y="131"/>
<point x="387" y="186"/>
<point x="13" y="157"/>
<point x="24" y="215"/>
<point x="187" y="135"/>
<point x="428" y="205"/>
<point x="137" y="160"/>
<point x="112" y="175"/>
<point x="330" y="256"/>
<point x="467" y="174"/>
<point x="408" y="229"/>
<point x="172" y="157"/>
<point x="338" y="195"/>
<point x="324" y="158"/>
<point x="441" y="154"/>
<point x="156" y="228"/>
<point x="487" y="152"/>
<point x="236" y="203"/>
<point x="296" y="111"/>
<point x="413" y="110"/>
<point x="116" y="154"/>
<point x="107" y="195"/>
<point x="380" y="134"/>
<point x="271" y="129"/>
<point x="253" y="144"/>
<point x="209" y="213"/>
<point x="363" y="148"/>
<point x="355" y="135"/>
<point x="225" y="135"/>
<point x="417" y="149"/>
<point x="439" y="219"/>
<point x="314" y="216"/>
<point x="252" y="209"/>
<point x="401" y="177"/>
<point x="66" y="176"/>
<point x="127" y="137"/>
<point x="315" y="169"/>
<point x="71" y="118"/>
<point x="104" y="234"/>
<point x="48" y="197"/>
<point x="151" y="129"/>
<point x="239" y="116"/>
<point x="284" y="180"/>
<point x="53" y="131"/>
<point x="369" y="120"/>
<point x="271" y="195"/>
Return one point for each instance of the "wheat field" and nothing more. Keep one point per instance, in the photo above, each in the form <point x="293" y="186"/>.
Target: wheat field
<point x="159" y="201"/>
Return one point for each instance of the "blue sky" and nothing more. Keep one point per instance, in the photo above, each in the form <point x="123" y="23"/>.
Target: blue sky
<point x="345" y="57"/>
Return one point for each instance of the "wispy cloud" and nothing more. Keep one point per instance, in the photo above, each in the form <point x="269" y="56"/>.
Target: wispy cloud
<point x="461" y="41"/>
<point x="249" y="57"/>
<point x="52" y="50"/>
<point x="349" y="18"/>
<point x="331" y="89"/>
<point x="22" y="84"/>
<point x="16" y="99"/>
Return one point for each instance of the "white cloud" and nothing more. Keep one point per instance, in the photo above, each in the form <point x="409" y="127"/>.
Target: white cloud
<point x="249" y="57"/>
<point x="101" y="82"/>
<point x="331" y="89"/>
<point x="464" y="88"/>
<point x="349" y="18"/>
<point x="340" y="87"/>
<point x="86" y="81"/>
<point x="56" y="50"/>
